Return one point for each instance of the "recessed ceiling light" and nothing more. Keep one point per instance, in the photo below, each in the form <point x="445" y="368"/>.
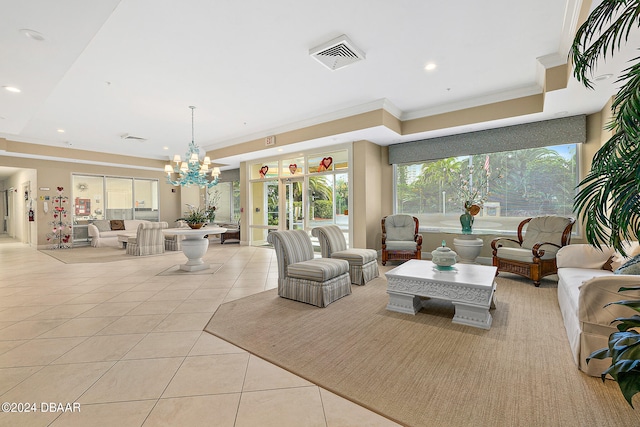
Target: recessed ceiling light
<point x="34" y="35"/>
<point x="165" y="148"/>
<point x="12" y="89"/>
<point x="430" y="66"/>
<point x="60" y="130"/>
<point x="604" y="77"/>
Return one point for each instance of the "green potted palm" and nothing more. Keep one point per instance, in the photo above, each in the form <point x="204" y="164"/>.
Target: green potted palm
<point x="195" y="217"/>
<point x="608" y="199"/>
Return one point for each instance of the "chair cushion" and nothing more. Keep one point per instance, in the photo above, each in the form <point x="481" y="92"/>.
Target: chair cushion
<point x="523" y="255"/>
<point x="319" y="269"/>
<point x="403" y="245"/>
<point x="630" y="267"/>
<point x="544" y="229"/>
<point x="399" y="227"/>
<point x="356" y="256"/>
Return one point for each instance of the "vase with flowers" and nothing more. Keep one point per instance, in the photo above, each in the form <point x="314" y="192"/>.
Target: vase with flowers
<point x="195" y="217"/>
<point x="473" y="192"/>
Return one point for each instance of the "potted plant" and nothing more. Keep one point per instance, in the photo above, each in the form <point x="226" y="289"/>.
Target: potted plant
<point x="624" y="350"/>
<point x="608" y="199"/>
<point x="195" y="217"/>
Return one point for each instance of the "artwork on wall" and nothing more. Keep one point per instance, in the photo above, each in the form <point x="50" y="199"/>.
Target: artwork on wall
<point x="263" y="171"/>
<point x="293" y="167"/>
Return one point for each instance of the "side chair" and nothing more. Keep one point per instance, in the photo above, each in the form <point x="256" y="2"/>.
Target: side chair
<point x="149" y="239"/>
<point x="400" y="238"/>
<point x="533" y="254"/>
<point x="363" y="263"/>
<point x="301" y="277"/>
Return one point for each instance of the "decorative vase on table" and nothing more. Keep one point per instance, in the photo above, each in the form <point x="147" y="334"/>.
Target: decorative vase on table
<point x="466" y="219"/>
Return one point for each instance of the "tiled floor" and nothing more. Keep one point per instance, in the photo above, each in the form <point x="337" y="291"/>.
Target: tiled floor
<point x="127" y="345"/>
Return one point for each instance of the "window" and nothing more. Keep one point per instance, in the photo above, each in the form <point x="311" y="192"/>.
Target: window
<point x="511" y="185"/>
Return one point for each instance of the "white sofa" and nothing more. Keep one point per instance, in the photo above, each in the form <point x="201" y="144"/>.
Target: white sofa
<point x="584" y="288"/>
<point x="101" y="234"/>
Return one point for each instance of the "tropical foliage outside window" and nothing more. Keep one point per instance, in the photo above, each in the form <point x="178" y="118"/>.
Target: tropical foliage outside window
<point x="508" y="185"/>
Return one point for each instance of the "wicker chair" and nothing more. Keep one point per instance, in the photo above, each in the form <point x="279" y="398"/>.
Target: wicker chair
<point x="301" y="277"/>
<point x="363" y="263"/>
<point x="533" y="255"/>
<point x="400" y="238"/>
<point x="149" y="239"/>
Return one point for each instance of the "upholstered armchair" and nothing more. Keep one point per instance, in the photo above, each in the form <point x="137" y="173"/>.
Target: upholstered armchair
<point x="363" y="263"/>
<point x="149" y="239"/>
<point x="533" y="254"/>
<point x="400" y="238"/>
<point x="301" y="277"/>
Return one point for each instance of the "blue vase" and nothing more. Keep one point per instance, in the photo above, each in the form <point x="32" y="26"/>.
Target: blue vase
<point x="466" y="220"/>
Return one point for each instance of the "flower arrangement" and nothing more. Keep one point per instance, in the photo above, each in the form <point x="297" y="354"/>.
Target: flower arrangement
<point x="212" y="205"/>
<point x="195" y="216"/>
<point x="474" y="190"/>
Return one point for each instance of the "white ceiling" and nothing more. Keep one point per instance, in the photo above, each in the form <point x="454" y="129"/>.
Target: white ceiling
<point x="116" y="67"/>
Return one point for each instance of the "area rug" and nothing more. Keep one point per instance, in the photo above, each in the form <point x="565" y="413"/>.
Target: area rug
<point x="88" y="254"/>
<point x="423" y="370"/>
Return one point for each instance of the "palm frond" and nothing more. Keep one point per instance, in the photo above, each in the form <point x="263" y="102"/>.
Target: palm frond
<point x="601" y="35"/>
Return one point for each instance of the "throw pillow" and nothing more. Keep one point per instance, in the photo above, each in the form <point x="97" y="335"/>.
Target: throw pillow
<point x="630" y="267"/>
<point x="102" y="225"/>
<point x="117" y="224"/>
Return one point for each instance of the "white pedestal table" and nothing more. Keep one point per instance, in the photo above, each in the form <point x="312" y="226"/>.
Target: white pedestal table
<point x="470" y="287"/>
<point x="194" y="245"/>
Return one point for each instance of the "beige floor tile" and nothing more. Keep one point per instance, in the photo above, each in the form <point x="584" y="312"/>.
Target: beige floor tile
<point x="80" y="327"/>
<point x="100" y="348"/>
<point x="133" y="324"/>
<point x="164" y="295"/>
<point x="133" y="380"/>
<point x="237" y="293"/>
<point x="164" y="344"/>
<point x="107" y="309"/>
<point x="21" y="313"/>
<point x="133" y="296"/>
<point x="262" y="375"/>
<point x="217" y="283"/>
<point x="8" y="345"/>
<point x="93" y="298"/>
<point x="52" y="299"/>
<point x="205" y="411"/>
<point x="344" y="413"/>
<point x="38" y="352"/>
<point x="122" y="414"/>
<point x="216" y="374"/>
<point x="292" y="407"/>
<point x="66" y="311"/>
<point x="199" y="306"/>
<point x="62" y="383"/>
<point x="211" y="294"/>
<point x="209" y="344"/>
<point x="183" y="322"/>
<point x="27" y="419"/>
<point x="155" y="307"/>
<point x="10" y="377"/>
<point x="28" y="329"/>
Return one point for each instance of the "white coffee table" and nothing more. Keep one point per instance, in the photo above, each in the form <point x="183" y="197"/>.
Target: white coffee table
<point x="470" y="287"/>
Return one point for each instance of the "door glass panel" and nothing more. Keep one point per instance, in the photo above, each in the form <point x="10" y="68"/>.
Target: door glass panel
<point x="293" y="205"/>
<point x="146" y="203"/>
<point x="119" y="203"/>
<point x="321" y="206"/>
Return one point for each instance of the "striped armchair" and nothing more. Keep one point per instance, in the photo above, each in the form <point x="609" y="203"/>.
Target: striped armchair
<point x="363" y="263"/>
<point x="149" y="239"/>
<point x="301" y="277"/>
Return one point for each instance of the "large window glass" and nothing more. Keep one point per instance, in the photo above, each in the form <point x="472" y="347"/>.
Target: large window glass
<point x="146" y="199"/>
<point x="509" y="186"/>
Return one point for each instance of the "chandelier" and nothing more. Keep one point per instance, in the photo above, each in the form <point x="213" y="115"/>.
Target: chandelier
<point x="192" y="170"/>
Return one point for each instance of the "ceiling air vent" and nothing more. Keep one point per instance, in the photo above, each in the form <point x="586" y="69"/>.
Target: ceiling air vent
<point x="132" y="137"/>
<point x="337" y="53"/>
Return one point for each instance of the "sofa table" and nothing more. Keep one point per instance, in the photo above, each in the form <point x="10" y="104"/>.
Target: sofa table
<point x="194" y="245"/>
<point x="470" y="287"/>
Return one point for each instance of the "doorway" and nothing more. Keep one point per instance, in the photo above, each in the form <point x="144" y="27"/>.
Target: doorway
<point x="294" y="203"/>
